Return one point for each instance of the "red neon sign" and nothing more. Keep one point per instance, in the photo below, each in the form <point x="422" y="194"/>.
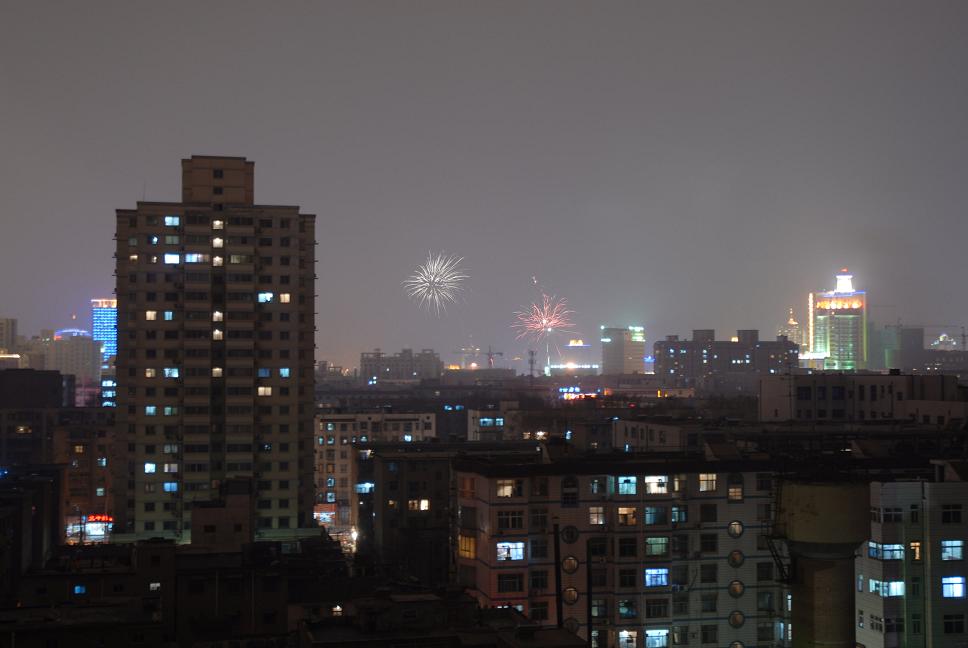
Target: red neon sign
<point x="100" y="517"/>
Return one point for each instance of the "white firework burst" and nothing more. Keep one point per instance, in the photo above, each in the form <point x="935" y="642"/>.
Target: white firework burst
<point x="437" y="282"/>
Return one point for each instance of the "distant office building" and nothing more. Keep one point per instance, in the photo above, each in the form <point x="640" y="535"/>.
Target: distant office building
<point x="837" y="325"/>
<point x="215" y="353"/>
<point x="623" y="350"/>
<point x="792" y="331"/>
<point x="104" y="327"/>
<point x="74" y="352"/>
<point x="406" y="365"/>
<point x="8" y="334"/>
<point x="720" y="366"/>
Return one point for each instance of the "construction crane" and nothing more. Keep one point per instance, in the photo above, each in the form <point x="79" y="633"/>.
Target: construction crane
<point x="490" y="356"/>
<point x="473" y="352"/>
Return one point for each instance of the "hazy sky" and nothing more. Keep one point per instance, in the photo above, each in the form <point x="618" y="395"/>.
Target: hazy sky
<point x="676" y="164"/>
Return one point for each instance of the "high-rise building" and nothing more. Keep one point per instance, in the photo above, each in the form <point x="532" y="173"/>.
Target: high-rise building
<point x="215" y="353"/>
<point x="104" y="327"/>
<point x="792" y="331"/>
<point x="837" y="325"/>
<point x="623" y="350"/>
<point x="8" y="334"/>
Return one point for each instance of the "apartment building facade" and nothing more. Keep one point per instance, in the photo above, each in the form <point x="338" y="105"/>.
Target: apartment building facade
<point x="215" y="353"/>
<point x="837" y="397"/>
<point x="911" y="575"/>
<point x="649" y="554"/>
<point x="339" y="440"/>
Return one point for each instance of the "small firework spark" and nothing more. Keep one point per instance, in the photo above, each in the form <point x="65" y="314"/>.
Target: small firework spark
<point x="437" y="282"/>
<point x="539" y="321"/>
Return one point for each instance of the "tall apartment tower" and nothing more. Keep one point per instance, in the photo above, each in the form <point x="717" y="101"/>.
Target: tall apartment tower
<point x="623" y="350"/>
<point x="215" y="353"/>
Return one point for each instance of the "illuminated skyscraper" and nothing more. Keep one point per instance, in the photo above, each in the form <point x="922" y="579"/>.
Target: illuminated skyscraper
<point x="104" y="327"/>
<point x="837" y="327"/>
<point x="793" y="331"/>
<point x="623" y="350"/>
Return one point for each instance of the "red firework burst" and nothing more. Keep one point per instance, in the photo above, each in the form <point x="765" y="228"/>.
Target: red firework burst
<point x="539" y="321"/>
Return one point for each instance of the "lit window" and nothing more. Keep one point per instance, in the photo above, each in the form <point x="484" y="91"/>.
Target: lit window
<point x="151" y="410"/>
<point x="195" y="257"/>
<point x="510" y="551"/>
<point x="217" y="334"/>
<point x="149" y="373"/>
<point x="170" y="468"/>
<point x="284" y="298"/>
<point x="152" y="240"/>
<point x="467" y="546"/>
<point x="217" y="242"/>
<point x="80" y="589"/>
<point x="658" y="638"/>
<point x="170" y="410"/>
<point x="596" y="515"/>
<point x="656" y="484"/>
<point x="509" y="488"/>
<point x="171" y="487"/>
<point x="99" y="491"/>
<point x="133" y="258"/>
<point x="953" y="587"/>
<point x="656" y="546"/>
<point x="172" y="259"/>
<point x="102" y="461"/>
<point x="265" y="391"/>
<point x="171" y="372"/>
<point x="952" y="549"/>
<point x="915" y="550"/>
<point x="626" y="485"/>
<point x="283" y="372"/>
<point x="172" y="221"/>
<point x="217" y="316"/>
<point x="216" y="372"/>
<point x="168" y="315"/>
<point x="151" y="315"/>
<point x="893" y="552"/>
<point x="657" y="577"/>
<point x="263" y="372"/>
<point x="707" y="482"/>
<point x="217" y="261"/>
<point x="78" y="449"/>
<point x="154" y="587"/>
<point x="150" y="468"/>
<point x="264" y="297"/>
<point x="217" y="225"/>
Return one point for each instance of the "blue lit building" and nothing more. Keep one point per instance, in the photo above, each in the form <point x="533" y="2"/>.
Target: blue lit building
<point x="104" y="326"/>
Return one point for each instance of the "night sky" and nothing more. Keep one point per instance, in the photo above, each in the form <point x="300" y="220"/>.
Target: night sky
<point x="677" y="165"/>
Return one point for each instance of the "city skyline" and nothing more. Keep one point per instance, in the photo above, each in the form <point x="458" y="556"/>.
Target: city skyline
<point x="667" y="195"/>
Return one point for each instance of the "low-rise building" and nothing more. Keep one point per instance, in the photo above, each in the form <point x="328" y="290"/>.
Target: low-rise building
<point x="864" y="397"/>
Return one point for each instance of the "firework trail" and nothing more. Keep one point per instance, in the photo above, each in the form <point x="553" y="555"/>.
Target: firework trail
<point x="437" y="282"/>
